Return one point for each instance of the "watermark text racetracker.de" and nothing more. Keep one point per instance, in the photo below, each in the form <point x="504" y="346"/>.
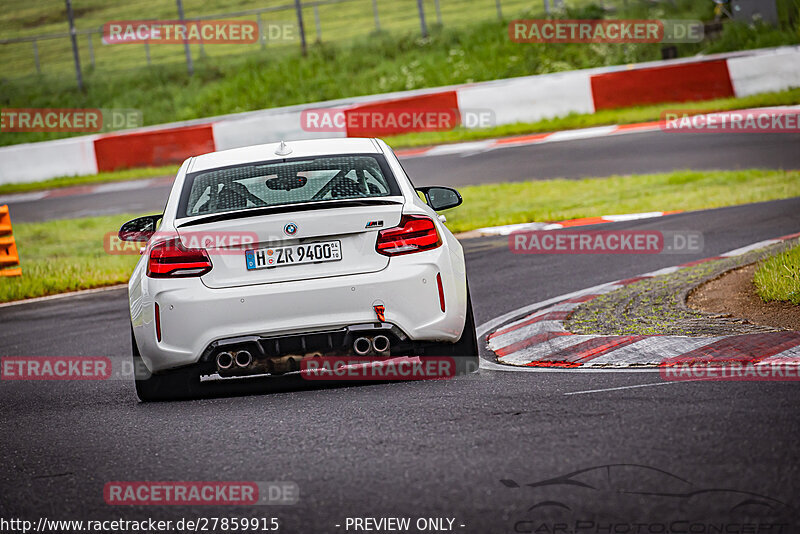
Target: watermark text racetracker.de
<point x="690" y="371"/>
<point x="390" y="121"/>
<point x="605" y="242"/>
<point x="70" y="368"/>
<point x="605" y="31"/>
<point x="200" y="493"/>
<point x="56" y="368"/>
<point x="372" y="368"/>
<point x="198" y="31"/>
<point x="216" y="243"/>
<point x="68" y="119"/>
<point x="767" y="120"/>
<point x="177" y="31"/>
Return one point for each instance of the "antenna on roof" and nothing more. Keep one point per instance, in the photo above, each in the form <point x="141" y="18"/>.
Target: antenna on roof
<point x="283" y="149"/>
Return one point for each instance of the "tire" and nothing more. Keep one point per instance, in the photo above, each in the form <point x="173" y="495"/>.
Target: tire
<point x="465" y="350"/>
<point x="169" y="385"/>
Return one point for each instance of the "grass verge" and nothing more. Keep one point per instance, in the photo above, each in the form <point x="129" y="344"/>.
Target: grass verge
<point x="778" y="278"/>
<point x="569" y="122"/>
<point x="68" y="255"/>
<point x="557" y="200"/>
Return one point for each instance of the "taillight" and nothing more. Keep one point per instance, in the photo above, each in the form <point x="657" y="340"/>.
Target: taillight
<point x="414" y="234"/>
<point x="169" y="259"/>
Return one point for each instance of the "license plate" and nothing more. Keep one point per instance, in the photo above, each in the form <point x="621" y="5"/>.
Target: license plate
<point x="270" y="257"/>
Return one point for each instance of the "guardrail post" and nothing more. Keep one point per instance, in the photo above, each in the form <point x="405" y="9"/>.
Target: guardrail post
<point x="499" y="7"/>
<point x="9" y="257"/>
<point x="91" y="49"/>
<point x="147" y="51"/>
<point x="375" y="15"/>
<point x="299" y="9"/>
<point x="317" y="23"/>
<point x="438" y="12"/>
<point x="422" y="24"/>
<point x="261" y="39"/>
<point x="189" y="64"/>
<point x="74" y="38"/>
<point x="36" y="57"/>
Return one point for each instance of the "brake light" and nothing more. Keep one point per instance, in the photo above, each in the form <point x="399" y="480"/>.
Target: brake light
<point x="414" y="234"/>
<point x="170" y="259"/>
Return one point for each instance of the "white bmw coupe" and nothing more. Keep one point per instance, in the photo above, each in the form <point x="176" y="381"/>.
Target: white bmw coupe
<point x="272" y="254"/>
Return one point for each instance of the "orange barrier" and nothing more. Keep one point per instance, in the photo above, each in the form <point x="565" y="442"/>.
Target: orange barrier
<point x="8" y="247"/>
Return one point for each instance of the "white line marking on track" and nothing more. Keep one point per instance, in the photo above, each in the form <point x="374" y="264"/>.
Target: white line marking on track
<point x="492" y="366"/>
<point x="446" y="150"/>
<point x="628" y="387"/>
<point x="584" y="133"/>
<point x="754" y="246"/>
<point x="22" y="197"/>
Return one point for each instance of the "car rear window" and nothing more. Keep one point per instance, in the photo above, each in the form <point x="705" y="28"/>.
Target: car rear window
<point x="293" y="181"/>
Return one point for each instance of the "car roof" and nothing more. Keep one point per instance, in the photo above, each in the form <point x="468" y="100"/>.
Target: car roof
<point x="299" y="149"/>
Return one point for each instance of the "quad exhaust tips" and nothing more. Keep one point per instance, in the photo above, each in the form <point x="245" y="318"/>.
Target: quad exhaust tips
<point x="236" y="361"/>
<point x="379" y="344"/>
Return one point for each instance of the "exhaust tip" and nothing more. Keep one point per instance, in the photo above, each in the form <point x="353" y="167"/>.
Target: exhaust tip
<point x="381" y="344"/>
<point x="243" y="358"/>
<point x="362" y="346"/>
<point x="224" y="360"/>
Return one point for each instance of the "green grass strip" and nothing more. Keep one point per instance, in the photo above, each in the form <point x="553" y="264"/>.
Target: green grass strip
<point x="778" y="278"/>
<point x="557" y="200"/>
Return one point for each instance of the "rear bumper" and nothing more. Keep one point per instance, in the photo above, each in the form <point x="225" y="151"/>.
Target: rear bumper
<point x="193" y="316"/>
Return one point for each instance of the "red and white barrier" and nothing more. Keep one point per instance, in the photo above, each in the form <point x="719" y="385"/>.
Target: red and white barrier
<point x="154" y="148"/>
<point x="524" y="99"/>
<point x="771" y="70"/>
<point x="531" y="98"/>
<point x="703" y="80"/>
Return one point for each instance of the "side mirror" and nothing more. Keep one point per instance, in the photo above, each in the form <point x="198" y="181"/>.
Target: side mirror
<point x="141" y="229"/>
<point x="441" y="198"/>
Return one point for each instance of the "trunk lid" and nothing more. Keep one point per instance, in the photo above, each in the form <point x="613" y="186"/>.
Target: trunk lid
<point x="354" y="225"/>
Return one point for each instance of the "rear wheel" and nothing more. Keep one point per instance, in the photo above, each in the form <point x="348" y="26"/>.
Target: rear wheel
<point x="465" y="350"/>
<point x="170" y="385"/>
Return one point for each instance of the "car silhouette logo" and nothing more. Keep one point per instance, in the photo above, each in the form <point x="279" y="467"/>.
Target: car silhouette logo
<point x="290" y="229"/>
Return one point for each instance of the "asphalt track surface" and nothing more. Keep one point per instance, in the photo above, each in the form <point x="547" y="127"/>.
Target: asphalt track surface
<point x="618" y="154"/>
<point x="421" y="449"/>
